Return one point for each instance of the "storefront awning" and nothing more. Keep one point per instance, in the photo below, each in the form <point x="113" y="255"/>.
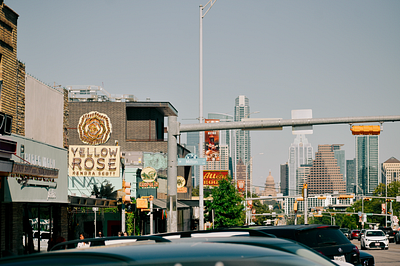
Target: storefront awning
<point x="90" y="202"/>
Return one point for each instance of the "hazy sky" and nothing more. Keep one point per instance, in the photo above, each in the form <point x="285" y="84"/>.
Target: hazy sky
<point x="338" y="58"/>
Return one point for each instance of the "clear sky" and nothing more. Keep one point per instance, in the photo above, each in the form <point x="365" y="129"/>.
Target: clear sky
<point x="339" y="58"/>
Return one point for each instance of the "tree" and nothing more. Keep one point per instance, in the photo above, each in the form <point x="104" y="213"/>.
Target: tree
<point x="106" y="191"/>
<point x="227" y="205"/>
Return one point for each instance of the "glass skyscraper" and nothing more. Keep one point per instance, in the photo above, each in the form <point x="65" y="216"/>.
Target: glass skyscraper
<point x="242" y="110"/>
<point x="300" y="152"/>
<point x="367" y="164"/>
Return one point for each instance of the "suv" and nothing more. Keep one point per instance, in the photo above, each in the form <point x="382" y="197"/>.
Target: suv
<point x="389" y="231"/>
<point x="326" y="239"/>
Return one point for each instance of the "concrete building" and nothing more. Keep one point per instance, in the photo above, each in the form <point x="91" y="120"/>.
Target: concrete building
<point x="325" y="176"/>
<point x="390" y="171"/>
<point x="33" y="168"/>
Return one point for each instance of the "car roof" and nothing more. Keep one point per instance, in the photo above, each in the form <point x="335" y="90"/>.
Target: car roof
<point x="167" y="253"/>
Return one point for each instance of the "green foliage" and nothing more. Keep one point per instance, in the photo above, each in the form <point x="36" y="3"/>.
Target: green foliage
<point x="227" y="204"/>
<point x="106" y="191"/>
<point x="196" y="193"/>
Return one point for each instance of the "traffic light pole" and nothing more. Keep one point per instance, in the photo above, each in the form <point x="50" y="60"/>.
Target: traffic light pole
<point x="123" y="202"/>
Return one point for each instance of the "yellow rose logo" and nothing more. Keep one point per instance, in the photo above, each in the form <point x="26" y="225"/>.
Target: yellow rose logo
<point x="94" y="128"/>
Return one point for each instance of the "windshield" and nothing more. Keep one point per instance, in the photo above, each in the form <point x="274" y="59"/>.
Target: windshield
<point x="322" y="237"/>
<point x="375" y="233"/>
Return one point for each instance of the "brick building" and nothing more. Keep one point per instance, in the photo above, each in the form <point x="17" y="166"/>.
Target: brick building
<point x="33" y="174"/>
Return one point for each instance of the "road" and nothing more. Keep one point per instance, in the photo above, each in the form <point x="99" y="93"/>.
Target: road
<point x="384" y="257"/>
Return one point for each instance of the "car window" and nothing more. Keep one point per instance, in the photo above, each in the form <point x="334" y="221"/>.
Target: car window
<point x="375" y="233"/>
<point x="321" y="237"/>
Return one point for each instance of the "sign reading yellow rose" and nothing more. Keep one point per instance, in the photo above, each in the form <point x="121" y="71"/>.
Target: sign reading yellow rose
<point x="94" y="128"/>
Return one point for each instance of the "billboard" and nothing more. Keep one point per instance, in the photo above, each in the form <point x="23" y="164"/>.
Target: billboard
<point x="212" y="177"/>
<point x="212" y="142"/>
<point x="101" y="161"/>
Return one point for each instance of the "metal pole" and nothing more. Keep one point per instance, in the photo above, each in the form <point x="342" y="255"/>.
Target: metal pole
<point x="151" y="216"/>
<point x="305" y="204"/>
<point x="95" y="229"/>
<point x="123" y="204"/>
<point x="173" y="132"/>
<point x="201" y="192"/>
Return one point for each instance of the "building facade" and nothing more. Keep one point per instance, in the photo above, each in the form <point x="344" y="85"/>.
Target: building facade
<point x="390" y="171"/>
<point x="243" y="148"/>
<point x="367" y="164"/>
<point x="284" y="179"/>
<point x="300" y="152"/>
<point x="351" y="176"/>
<point x="325" y="176"/>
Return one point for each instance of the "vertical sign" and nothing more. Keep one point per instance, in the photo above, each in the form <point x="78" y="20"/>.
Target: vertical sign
<point x="212" y="142"/>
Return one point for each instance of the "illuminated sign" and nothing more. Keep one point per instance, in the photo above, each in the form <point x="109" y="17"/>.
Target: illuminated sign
<point x="101" y="161"/>
<point x="212" y="177"/>
<point x="149" y="174"/>
<point x="212" y="142"/>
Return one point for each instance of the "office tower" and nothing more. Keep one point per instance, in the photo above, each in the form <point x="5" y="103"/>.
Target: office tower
<point x="284" y="188"/>
<point x="390" y="171"/>
<point x="242" y="110"/>
<point x="351" y="176"/>
<point x="302" y="174"/>
<point x="340" y="158"/>
<point x="325" y="176"/>
<point x="300" y="152"/>
<point x="193" y="147"/>
<point x="367" y="164"/>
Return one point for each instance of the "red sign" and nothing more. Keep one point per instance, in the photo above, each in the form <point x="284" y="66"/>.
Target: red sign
<point x="212" y="177"/>
<point x="240" y="185"/>
<point x="212" y="142"/>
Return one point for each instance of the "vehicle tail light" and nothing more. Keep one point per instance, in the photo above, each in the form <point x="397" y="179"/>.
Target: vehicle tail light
<point x="356" y="250"/>
<point x="320" y="252"/>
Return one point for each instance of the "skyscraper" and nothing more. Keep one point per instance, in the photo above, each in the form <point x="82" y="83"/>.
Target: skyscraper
<point x="351" y="176"/>
<point x="340" y="158"/>
<point x="193" y="147"/>
<point x="284" y="189"/>
<point x="325" y="176"/>
<point x="300" y="152"/>
<point x="367" y="164"/>
<point x="242" y="110"/>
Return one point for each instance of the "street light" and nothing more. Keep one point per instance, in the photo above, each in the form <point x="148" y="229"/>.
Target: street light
<point x="201" y="195"/>
<point x="246" y="163"/>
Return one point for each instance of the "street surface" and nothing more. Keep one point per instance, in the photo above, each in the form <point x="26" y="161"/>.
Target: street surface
<point x="384" y="257"/>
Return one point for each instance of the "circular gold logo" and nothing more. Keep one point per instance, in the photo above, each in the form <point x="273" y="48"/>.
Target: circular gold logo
<point x="149" y="174"/>
<point x="94" y="128"/>
<point x="181" y="181"/>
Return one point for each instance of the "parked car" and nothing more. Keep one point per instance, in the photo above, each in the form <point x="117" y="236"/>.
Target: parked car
<point x="346" y="232"/>
<point x="366" y="259"/>
<point x="325" y="239"/>
<point x="354" y="234"/>
<point x="397" y="237"/>
<point x="374" y="239"/>
<point x="234" y="250"/>
<point x="389" y="231"/>
<point x="362" y="231"/>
